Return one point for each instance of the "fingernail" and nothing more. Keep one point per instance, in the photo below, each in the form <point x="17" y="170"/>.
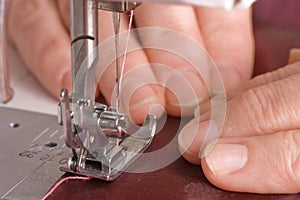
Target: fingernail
<point x="225" y="159"/>
<point x="194" y="132"/>
<point x="185" y="89"/>
<point x="142" y="102"/>
<point x="143" y="96"/>
<point x="185" y="139"/>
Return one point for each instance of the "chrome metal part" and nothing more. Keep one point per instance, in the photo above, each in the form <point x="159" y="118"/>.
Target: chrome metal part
<point x="97" y="154"/>
<point x="99" y="108"/>
<point x="116" y="22"/>
<point x="94" y="133"/>
<point x="120" y="6"/>
<point x="113" y="124"/>
<point x="108" y="142"/>
<point x="72" y="140"/>
<point x="109" y="162"/>
<point x="84" y="33"/>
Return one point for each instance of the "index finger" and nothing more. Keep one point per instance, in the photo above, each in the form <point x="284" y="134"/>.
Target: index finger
<point x="229" y="41"/>
<point x="262" y="110"/>
<point x="43" y="43"/>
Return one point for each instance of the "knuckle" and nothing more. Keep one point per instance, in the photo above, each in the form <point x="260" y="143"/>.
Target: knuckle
<point x="23" y="14"/>
<point x="253" y="104"/>
<point x="266" y="78"/>
<point x="23" y="9"/>
<point x="25" y="5"/>
<point x="43" y="48"/>
<point x="269" y="109"/>
<point x="291" y="164"/>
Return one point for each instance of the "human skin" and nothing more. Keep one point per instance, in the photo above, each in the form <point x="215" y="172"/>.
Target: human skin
<point x="258" y="150"/>
<point x="259" y="153"/>
<point x="39" y="30"/>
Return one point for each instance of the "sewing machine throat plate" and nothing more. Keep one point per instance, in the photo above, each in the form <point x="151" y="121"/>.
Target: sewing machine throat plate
<point x="31" y="149"/>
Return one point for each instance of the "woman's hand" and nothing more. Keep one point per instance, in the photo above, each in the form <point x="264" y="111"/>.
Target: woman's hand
<point x="259" y="148"/>
<point x="40" y="32"/>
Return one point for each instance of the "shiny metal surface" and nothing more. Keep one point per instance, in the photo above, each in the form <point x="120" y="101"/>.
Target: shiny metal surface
<point x="64" y="116"/>
<point x="100" y="153"/>
<point x="31" y="150"/>
<point x="104" y="142"/>
<point x="108" y="162"/>
<point x="117" y="6"/>
<point x="113" y="124"/>
<point x="104" y="151"/>
<point x="84" y="33"/>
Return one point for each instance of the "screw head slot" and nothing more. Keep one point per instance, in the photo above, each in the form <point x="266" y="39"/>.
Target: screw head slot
<point x="14" y="125"/>
<point x="50" y="144"/>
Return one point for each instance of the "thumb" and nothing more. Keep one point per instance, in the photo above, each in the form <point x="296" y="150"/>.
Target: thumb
<point x="260" y="164"/>
<point x="266" y="109"/>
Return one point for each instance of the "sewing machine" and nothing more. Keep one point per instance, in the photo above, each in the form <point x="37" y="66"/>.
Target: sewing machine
<point x="86" y="122"/>
<point x="102" y="140"/>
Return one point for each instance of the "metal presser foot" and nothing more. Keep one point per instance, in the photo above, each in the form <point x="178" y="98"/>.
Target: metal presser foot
<point x="104" y="142"/>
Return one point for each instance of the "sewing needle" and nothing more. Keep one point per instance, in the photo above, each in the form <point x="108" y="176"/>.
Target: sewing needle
<point x="116" y="21"/>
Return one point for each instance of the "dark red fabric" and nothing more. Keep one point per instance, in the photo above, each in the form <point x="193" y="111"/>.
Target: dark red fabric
<point x="281" y="13"/>
<point x="179" y="180"/>
<point x="276" y="30"/>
